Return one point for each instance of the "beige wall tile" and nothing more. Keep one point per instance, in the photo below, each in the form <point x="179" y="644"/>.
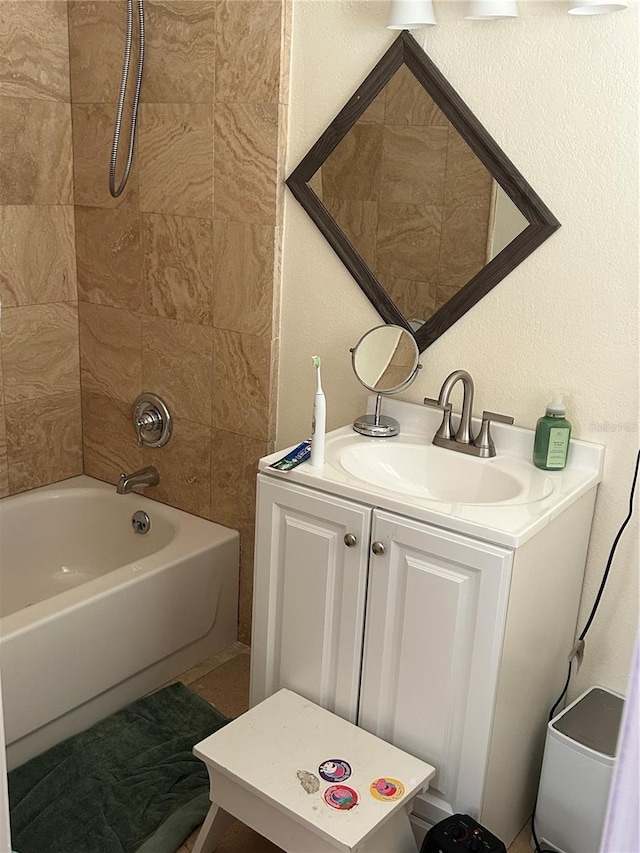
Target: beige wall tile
<point x="40" y="351"/>
<point x="96" y="44"/>
<point x="468" y="181"/>
<point x="376" y="109"/>
<point x="408" y="240"/>
<point x="407" y="102"/>
<point x="36" y="154"/>
<point x="34" y="60"/>
<point x="37" y="254"/>
<point x="277" y="279"/>
<point x="109" y="439"/>
<point x="247" y="58"/>
<point x="464" y="244"/>
<point x="359" y="221"/>
<point x="176" y="364"/>
<point x="354" y="168"/>
<point x="241" y="373"/>
<point x="285" y="51"/>
<point x="246" y="142"/>
<point x="179" y="62"/>
<point x="92" y="138"/>
<point x="243" y="277"/>
<point x="177" y="267"/>
<point x="413" y="164"/>
<point x="444" y="292"/>
<point x="176" y="159"/>
<point x="109" y="254"/>
<point x="415" y="299"/>
<point x="110" y="352"/>
<point x="184" y="465"/>
<point x="281" y="173"/>
<point x="234" y="466"/>
<point x="4" y="464"/>
<point x="44" y="441"/>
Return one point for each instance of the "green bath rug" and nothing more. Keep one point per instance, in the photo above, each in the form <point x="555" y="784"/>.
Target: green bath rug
<point x="129" y="783"/>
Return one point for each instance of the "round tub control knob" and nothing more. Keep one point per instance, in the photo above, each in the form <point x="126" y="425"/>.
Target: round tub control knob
<point x="377" y="548"/>
<point x="152" y="420"/>
<point x="350" y="540"/>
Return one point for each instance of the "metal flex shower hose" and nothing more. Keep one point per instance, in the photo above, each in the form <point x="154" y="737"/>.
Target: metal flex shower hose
<point x="115" y="191"/>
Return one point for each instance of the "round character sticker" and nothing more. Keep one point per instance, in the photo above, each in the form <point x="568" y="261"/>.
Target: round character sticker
<point x="386" y="788"/>
<point x="341" y="797"/>
<point x="335" y="770"/>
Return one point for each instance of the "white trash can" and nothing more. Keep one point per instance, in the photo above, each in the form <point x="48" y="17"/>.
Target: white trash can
<point x="577" y="769"/>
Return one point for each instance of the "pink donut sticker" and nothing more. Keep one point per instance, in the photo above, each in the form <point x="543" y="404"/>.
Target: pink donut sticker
<point x="340" y="797"/>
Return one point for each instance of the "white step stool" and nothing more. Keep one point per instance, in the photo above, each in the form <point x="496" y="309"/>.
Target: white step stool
<point x="253" y="765"/>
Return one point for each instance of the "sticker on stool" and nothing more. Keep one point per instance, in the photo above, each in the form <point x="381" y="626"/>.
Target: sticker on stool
<point x="335" y="770"/>
<point x="340" y="797"/>
<point x="387" y="789"/>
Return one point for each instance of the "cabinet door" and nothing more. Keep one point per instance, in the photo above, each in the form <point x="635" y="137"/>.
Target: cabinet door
<point x="434" y="627"/>
<point x="309" y="596"/>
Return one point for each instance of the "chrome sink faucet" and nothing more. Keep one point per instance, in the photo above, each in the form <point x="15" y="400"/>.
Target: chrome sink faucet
<point x="464" y="441"/>
<point x="142" y="478"/>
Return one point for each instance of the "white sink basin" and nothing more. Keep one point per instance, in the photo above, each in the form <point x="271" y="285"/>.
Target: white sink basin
<point x="503" y="500"/>
<point x="433" y="473"/>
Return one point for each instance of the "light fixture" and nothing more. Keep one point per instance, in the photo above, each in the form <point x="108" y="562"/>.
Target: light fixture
<point x="410" y="14"/>
<point x="488" y="10"/>
<point x="597" y="7"/>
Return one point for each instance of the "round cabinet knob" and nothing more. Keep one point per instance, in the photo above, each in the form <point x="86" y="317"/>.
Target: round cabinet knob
<point x="350" y="540"/>
<point x="377" y="548"/>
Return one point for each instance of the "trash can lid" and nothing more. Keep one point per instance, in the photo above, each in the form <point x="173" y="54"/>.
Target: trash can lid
<point x="594" y="721"/>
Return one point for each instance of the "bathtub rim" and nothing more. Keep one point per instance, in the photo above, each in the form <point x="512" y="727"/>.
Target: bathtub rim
<point x="197" y="533"/>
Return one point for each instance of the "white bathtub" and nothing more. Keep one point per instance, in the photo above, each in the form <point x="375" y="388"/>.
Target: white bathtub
<point x="93" y="615"/>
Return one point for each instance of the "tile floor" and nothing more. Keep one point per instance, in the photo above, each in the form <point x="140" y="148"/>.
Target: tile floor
<point x="224" y="681"/>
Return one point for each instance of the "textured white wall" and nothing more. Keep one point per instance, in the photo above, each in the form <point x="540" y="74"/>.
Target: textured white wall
<point x="560" y="95"/>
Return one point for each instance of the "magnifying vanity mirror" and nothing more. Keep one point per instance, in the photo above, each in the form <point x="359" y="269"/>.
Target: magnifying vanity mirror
<point x="416" y="198"/>
<point x="385" y="360"/>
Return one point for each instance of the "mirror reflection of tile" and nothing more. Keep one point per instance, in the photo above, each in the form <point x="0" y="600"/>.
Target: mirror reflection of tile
<point x="414" y="199"/>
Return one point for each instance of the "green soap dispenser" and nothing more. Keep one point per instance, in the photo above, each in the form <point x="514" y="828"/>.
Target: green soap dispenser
<point x="553" y="431"/>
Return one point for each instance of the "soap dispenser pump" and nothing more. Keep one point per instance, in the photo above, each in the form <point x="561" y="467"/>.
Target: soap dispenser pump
<point x="553" y="431"/>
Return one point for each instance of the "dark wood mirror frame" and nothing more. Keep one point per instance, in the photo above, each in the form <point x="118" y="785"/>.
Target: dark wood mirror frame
<point x="542" y="223"/>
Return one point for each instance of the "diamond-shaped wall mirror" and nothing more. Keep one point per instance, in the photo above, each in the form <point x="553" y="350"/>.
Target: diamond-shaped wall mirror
<point x="424" y="209"/>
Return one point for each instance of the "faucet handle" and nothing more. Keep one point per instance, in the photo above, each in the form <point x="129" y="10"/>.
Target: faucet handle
<point x="494" y="416"/>
<point x="445" y="429"/>
<point x="483" y="441"/>
<point x="436" y="404"/>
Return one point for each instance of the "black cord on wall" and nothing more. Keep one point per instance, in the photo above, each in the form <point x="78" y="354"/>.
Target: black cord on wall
<point x="579" y="646"/>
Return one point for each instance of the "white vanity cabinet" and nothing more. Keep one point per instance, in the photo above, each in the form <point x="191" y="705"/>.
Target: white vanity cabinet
<point x="451" y="646"/>
<point x="391" y="623"/>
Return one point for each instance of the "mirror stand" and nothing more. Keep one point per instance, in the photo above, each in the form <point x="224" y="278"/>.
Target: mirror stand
<point x="377" y="425"/>
<point x="385" y="360"/>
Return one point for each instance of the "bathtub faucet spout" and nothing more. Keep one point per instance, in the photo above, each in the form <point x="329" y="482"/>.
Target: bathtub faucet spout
<point x="142" y="478"/>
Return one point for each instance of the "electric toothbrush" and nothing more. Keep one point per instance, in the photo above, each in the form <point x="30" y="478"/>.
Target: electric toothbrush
<point x="319" y="424"/>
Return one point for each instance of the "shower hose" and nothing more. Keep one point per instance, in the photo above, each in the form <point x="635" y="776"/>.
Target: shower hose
<point x="116" y="191"/>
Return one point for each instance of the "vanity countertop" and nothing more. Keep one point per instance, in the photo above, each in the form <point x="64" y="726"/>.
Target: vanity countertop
<point x="509" y="522"/>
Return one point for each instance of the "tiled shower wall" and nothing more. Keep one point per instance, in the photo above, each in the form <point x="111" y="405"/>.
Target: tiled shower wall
<point x="40" y="425"/>
<point x="175" y="278"/>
